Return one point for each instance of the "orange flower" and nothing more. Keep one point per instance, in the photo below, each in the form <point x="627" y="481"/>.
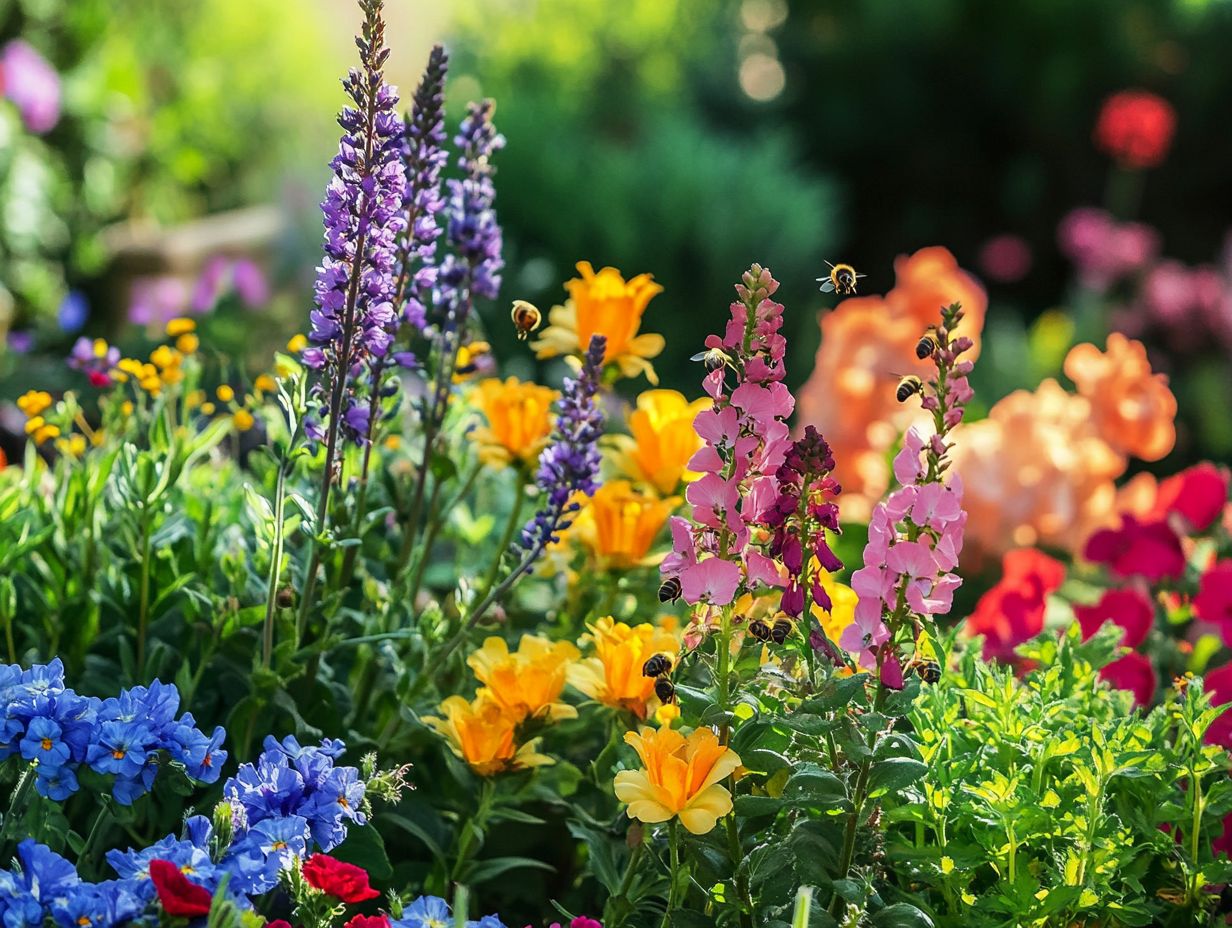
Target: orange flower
<point x="1132" y="407"/>
<point x="930" y="279"/>
<point x="619" y="524"/>
<point x="604" y="304"/>
<point x="662" y="440"/>
<point x="519" y="420"/>
<point x="526" y="683"/>
<point x="614" y="675"/>
<point x="484" y="736"/>
<point x="680" y="778"/>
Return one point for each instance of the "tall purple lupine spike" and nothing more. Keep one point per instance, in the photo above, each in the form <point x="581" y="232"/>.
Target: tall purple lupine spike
<point x="362" y="210"/>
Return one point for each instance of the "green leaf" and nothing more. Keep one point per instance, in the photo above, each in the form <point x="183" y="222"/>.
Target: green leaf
<point x="365" y="848"/>
<point x="895" y="773"/>
<point x="901" y="915"/>
<point x="486" y="870"/>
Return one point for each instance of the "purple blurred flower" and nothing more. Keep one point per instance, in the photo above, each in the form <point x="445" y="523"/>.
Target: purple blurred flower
<point x="250" y="283"/>
<point x="1104" y="250"/>
<point x="154" y="300"/>
<point x="20" y="342"/>
<point x="73" y="312"/>
<point x="32" y="84"/>
<point x="221" y="275"/>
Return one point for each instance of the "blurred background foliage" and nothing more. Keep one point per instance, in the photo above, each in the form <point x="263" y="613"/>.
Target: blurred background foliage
<point x="680" y="137"/>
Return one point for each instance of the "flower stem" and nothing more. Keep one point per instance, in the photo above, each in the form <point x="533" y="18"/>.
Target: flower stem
<point x="17" y="808"/>
<point x="673" y="843"/>
<point x="143" y="613"/>
<point x="275" y="571"/>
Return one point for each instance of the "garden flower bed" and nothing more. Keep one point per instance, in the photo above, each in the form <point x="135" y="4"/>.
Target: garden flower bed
<point x="379" y="637"/>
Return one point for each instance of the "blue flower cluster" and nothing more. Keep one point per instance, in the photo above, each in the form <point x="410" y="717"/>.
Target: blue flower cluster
<point x="57" y="731"/>
<point x="433" y="911"/>
<point x="45" y="884"/>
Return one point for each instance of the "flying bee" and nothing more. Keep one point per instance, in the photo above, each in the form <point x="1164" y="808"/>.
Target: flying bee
<point x="657" y="665"/>
<point x="669" y="592"/>
<point x="842" y="280"/>
<point x="471" y="358"/>
<point x="925" y="346"/>
<point x="908" y="387"/>
<point x="782" y="628"/>
<point x="664" y="690"/>
<point x="759" y="630"/>
<point x="713" y="358"/>
<point x="526" y="318"/>
<point x="929" y="671"/>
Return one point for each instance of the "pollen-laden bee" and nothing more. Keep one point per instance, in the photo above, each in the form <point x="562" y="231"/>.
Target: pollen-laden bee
<point x="908" y="387"/>
<point x="929" y="671"/>
<point x="526" y="318"/>
<point x="665" y="691"/>
<point x="471" y="357"/>
<point x="782" y="628"/>
<point x="657" y="665"/>
<point x="713" y="358"/>
<point x="925" y="346"/>
<point x="759" y="630"/>
<point x="842" y="280"/>
<point x="669" y="592"/>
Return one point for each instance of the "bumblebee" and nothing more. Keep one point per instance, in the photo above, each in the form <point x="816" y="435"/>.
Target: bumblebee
<point x="713" y="358"/>
<point x="470" y="358"/>
<point x="929" y="671"/>
<point x="759" y="630"/>
<point x="782" y="628"/>
<point x="669" y="592"/>
<point x="526" y="318"/>
<point x="665" y="691"/>
<point x="842" y="280"/>
<point x="908" y="387"/>
<point x="925" y="346"/>
<point x="657" y="665"/>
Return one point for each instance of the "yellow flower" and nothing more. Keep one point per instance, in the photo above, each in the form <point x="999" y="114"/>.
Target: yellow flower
<point x="619" y="524"/>
<point x="484" y="736"/>
<point x="604" y="304"/>
<point x="194" y="399"/>
<point x="680" y="778"/>
<point x="266" y="384"/>
<point x="34" y="402"/>
<point x="165" y="357"/>
<point x="187" y="343"/>
<point x="843" y="601"/>
<point x="297" y="343"/>
<point x="519" y="420"/>
<point x="207" y="409"/>
<point x="126" y="408"/>
<point x="662" y="440"/>
<point x="526" y="683"/>
<point x="242" y="420"/>
<point x="40" y="430"/>
<point x="224" y="393"/>
<point x="180" y="326"/>
<point x="73" y="446"/>
<point x="614" y="675"/>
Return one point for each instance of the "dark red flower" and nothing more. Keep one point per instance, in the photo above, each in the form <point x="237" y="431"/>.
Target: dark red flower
<point x="1214" y="600"/>
<point x="99" y="379"/>
<point x="1132" y="672"/>
<point x="1143" y="549"/>
<point x="178" y="895"/>
<point x="338" y="878"/>
<point x="1013" y="610"/>
<point x="1197" y="494"/>
<point x="278" y="923"/>
<point x="1135" y="127"/>
<point x="1219" y="684"/>
<point x="1130" y="609"/>
<point x="368" y="921"/>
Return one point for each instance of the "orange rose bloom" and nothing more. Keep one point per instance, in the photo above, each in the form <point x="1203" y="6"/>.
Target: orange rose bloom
<point x="680" y="778"/>
<point x="528" y="682"/>
<point x="662" y="440"/>
<point x="519" y="417"/>
<point x="1132" y="407"/>
<point x="484" y="736"/>
<point x="614" y="675"/>
<point x="930" y="279"/>
<point x="619" y="524"/>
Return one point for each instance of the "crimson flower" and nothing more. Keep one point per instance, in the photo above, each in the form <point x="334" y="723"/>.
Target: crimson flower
<point x="1214" y="600"/>
<point x="1132" y="672"/>
<point x="1143" y="549"/>
<point x="1219" y="685"/>
<point x="1130" y="609"/>
<point x="368" y="921"/>
<point x="1135" y="127"/>
<point x="1013" y="610"/>
<point x="339" y="879"/>
<point x="1197" y="494"/>
<point x="178" y="895"/>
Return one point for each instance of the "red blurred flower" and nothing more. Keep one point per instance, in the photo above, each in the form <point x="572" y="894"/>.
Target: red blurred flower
<point x="1005" y="258"/>
<point x="1219" y="684"/>
<point x="1130" y="609"/>
<point x="1132" y="672"/>
<point x="1013" y="610"/>
<point x="178" y="895"/>
<point x="338" y="878"/>
<point x="368" y="921"/>
<point x="1135" y="127"/>
<point x="1144" y="549"/>
<point x="1214" y="600"/>
<point x="1197" y="494"/>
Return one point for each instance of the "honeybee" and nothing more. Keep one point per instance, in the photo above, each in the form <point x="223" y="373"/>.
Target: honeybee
<point x="713" y="358"/>
<point x="669" y="592"/>
<point x="929" y="671"/>
<point x="908" y="387"/>
<point x="657" y="665"/>
<point x="842" y="280"/>
<point x="526" y="318"/>
<point x="759" y="630"/>
<point x="665" y="691"/>
<point x="471" y="358"/>
<point x="782" y="628"/>
<point x="925" y="346"/>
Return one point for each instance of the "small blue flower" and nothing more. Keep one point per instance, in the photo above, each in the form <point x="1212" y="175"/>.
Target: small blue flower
<point x="425" y="912"/>
<point x="488" y="921"/>
<point x="97" y="905"/>
<point x="57" y="785"/>
<point x="73" y="313"/>
<point x="42" y="744"/>
<point x="120" y="749"/>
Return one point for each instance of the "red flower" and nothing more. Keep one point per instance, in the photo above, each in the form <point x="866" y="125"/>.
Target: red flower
<point x="1197" y="494"/>
<point x="1013" y="611"/>
<point x="178" y="895"/>
<point x="339" y="879"/>
<point x="1214" y="600"/>
<point x="278" y="923"/>
<point x="1132" y="672"/>
<point x="1136" y="128"/>
<point x="1145" y="549"/>
<point x="1219" y="685"/>
<point x="368" y="921"/>
<point x="1130" y="609"/>
<point x="99" y="379"/>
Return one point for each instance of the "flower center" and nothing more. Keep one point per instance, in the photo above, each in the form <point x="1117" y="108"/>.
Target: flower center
<point x="118" y="754"/>
<point x="279" y="845"/>
<point x="46" y="744"/>
<point x="342" y="801"/>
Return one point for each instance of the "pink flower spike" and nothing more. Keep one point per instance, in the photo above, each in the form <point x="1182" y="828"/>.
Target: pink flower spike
<point x="907" y="467"/>
<point x="913" y="558"/>
<point x="761" y="569"/>
<point x="713" y="581"/>
<point x="892" y="673"/>
<point x="936" y="506"/>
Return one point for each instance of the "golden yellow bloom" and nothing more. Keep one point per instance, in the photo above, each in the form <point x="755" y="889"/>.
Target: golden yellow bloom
<point x="73" y="446"/>
<point x="680" y="778"/>
<point x="393" y="442"/>
<point x="484" y="736"/>
<point x="165" y="357"/>
<point x="843" y="601"/>
<point x="224" y="393"/>
<point x="469" y="356"/>
<point x="265" y="383"/>
<point x="526" y="683"/>
<point x="40" y="430"/>
<point x="604" y="304"/>
<point x="34" y="402"/>
<point x="207" y="409"/>
<point x="619" y="524"/>
<point x="187" y="343"/>
<point x="297" y="343"/>
<point x="101" y="347"/>
<point x="180" y="326"/>
<point x="662" y="440"/>
<point x="519" y="420"/>
<point x="243" y="420"/>
<point x="126" y="408"/>
<point x="194" y="399"/>
<point x="614" y="675"/>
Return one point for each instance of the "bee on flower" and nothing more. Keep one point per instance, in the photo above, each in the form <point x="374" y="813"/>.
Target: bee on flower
<point x="615" y="676"/>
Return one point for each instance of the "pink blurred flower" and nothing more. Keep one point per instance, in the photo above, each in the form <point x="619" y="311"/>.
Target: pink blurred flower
<point x="1104" y="250"/>
<point x="1214" y="600"/>
<point x="1005" y="258"/>
<point x="1143" y="549"/>
<point x="1219" y="684"/>
<point x="32" y="84"/>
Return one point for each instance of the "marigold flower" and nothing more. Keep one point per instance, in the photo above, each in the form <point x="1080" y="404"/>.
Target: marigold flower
<point x="519" y="416"/>
<point x="40" y="430"/>
<point x="34" y="402"/>
<point x="225" y="393"/>
<point x="187" y="343"/>
<point x="1132" y="408"/>
<point x="662" y="440"/>
<point x="619" y="524"/>
<point x="265" y="383"/>
<point x="526" y="683"/>
<point x="181" y="325"/>
<point x="680" y="778"/>
<point x="604" y="303"/>
<point x="483" y="735"/>
<point x="614" y="675"/>
<point x="1136" y="128"/>
<point x="243" y="420"/>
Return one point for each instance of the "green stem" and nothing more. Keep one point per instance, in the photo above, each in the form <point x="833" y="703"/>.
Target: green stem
<point x="275" y="571"/>
<point x="91" y="849"/>
<point x="673" y="843"/>
<point x="143" y="614"/>
<point x="17" y="808"/>
<point x="476" y="823"/>
<point x="511" y="526"/>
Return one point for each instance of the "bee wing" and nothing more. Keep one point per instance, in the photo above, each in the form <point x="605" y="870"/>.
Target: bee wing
<point x="827" y="285"/>
<point x="700" y="356"/>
